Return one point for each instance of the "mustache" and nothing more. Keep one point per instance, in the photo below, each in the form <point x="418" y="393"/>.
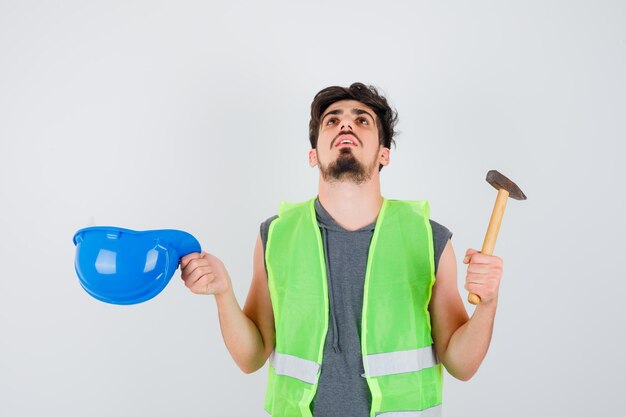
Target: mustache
<point x="332" y="143"/>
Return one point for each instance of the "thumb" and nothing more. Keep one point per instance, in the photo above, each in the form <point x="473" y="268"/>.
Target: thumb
<point x="468" y="255"/>
<point x="214" y="261"/>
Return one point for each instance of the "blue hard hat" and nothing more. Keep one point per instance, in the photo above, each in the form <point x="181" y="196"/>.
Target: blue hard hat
<point x="122" y="266"/>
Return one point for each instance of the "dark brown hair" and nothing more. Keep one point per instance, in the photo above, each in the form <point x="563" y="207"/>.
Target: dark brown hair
<point x="368" y="95"/>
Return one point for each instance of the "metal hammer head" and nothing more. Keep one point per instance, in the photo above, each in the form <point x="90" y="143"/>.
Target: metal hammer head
<point x="499" y="181"/>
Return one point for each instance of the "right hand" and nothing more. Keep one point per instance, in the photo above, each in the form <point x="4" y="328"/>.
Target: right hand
<point x="204" y="273"/>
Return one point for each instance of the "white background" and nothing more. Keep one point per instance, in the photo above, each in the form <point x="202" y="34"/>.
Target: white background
<point x="194" y="115"/>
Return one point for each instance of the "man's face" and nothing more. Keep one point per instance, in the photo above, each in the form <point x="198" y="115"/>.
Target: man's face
<point x="348" y="148"/>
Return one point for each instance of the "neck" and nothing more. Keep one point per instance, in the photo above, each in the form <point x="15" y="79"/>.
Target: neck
<point x="352" y="206"/>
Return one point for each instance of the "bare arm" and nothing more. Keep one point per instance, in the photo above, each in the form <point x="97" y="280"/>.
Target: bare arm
<point x="248" y="333"/>
<point x="461" y="342"/>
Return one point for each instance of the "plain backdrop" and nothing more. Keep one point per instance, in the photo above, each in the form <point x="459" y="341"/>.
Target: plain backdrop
<point x="194" y="115"/>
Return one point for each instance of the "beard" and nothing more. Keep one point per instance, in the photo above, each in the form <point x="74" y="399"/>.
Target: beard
<point x="347" y="168"/>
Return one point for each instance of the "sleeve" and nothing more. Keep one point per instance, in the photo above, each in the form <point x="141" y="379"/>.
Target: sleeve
<point x="264" y="230"/>
<point x="441" y="235"/>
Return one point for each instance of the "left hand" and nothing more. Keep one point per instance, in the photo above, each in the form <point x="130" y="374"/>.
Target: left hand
<point x="484" y="273"/>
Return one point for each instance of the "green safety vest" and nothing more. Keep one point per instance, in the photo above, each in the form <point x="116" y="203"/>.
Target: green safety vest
<point x="402" y="371"/>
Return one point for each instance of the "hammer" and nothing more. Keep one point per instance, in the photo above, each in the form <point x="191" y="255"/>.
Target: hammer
<point x="506" y="188"/>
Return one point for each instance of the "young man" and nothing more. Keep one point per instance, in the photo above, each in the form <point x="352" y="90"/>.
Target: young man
<point x="354" y="297"/>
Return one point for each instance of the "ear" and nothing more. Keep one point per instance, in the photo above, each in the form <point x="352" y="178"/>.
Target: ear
<point x="384" y="156"/>
<point x="312" y="158"/>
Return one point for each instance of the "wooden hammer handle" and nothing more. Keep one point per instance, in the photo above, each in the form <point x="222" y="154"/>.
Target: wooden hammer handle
<point x="492" y="232"/>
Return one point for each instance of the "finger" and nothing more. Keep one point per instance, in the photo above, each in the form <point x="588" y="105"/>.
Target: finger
<point x="187" y="258"/>
<point x="197" y="274"/>
<point x="473" y="278"/>
<point x="204" y="285"/>
<point x="478" y="284"/>
<point x="484" y="271"/>
<point x="494" y="261"/>
<point x="192" y="265"/>
<point x="482" y="289"/>
<point x="481" y="258"/>
<point x="490" y="278"/>
<point x="471" y="251"/>
<point x="478" y="268"/>
<point x="199" y="256"/>
<point x="474" y="287"/>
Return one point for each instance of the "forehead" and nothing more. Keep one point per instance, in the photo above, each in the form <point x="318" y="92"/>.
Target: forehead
<point x="347" y="106"/>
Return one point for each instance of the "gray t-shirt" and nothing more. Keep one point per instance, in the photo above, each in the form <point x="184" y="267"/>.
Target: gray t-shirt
<point x="341" y="390"/>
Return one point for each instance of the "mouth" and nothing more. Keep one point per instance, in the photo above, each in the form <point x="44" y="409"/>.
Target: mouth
<point x="345" y="141"/>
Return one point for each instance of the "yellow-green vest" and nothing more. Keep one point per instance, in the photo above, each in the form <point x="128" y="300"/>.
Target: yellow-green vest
<point x="402" y="371"/>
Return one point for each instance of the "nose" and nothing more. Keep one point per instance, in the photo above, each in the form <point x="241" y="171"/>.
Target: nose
<point x="346" y="124"/>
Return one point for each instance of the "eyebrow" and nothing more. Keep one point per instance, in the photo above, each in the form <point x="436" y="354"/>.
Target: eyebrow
<point x="353" y="111"/>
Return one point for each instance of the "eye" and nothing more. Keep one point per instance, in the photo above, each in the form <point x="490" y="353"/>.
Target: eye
<point x="331" y="121"/>
<point x="363" y="121"/>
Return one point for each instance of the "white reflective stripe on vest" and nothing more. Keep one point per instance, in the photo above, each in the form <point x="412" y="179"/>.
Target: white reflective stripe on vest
<point x="400" y="362"/>
<point x="295" y="367"/>
<point x="429" y="412"/>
